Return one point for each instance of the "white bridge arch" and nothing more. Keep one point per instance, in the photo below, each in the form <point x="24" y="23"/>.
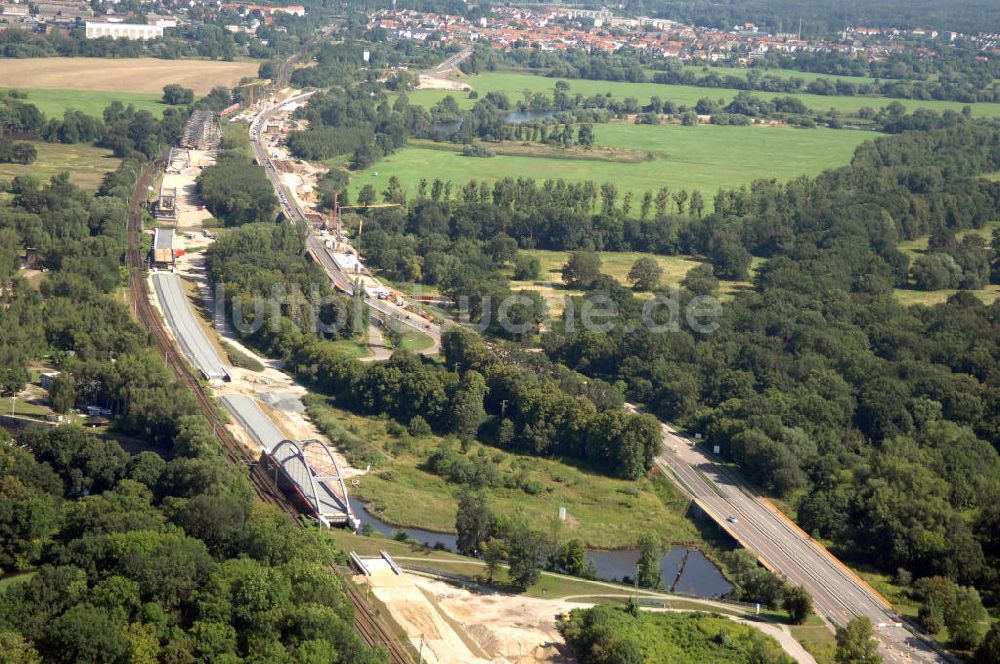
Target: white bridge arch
<point x="319" y="490"/>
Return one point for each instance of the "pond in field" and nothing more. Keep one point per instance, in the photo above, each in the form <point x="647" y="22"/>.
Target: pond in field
<point x="513" y="117"/>
<point x="683" y="570"/>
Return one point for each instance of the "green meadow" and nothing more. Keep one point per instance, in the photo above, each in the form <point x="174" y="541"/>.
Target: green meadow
<point x="781" y="73"/>
<point x="514" y="84"/>
<point x="918" y="247"/>
<point x="86" y="164"/>
<point x="705" y="157"/>
<point x="53" y="103"/>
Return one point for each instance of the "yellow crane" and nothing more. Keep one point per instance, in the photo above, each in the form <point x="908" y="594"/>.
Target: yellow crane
<point x="251" y="86"/>
<point x="337" y="207"/>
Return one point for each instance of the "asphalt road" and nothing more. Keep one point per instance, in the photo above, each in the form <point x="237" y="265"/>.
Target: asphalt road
<point x="838" y="595"/>
<point x="382" y="309"/>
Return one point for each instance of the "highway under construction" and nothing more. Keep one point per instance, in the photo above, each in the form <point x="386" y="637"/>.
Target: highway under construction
<point x="779" y="545"/>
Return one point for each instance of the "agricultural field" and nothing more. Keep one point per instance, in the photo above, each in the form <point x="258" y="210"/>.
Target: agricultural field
<point x="603" y="511"/>
<point x="514" y="84"/>
<point x="706" y="157"/>
<point x="132" y="75"/>
<point x="85" y="163"/>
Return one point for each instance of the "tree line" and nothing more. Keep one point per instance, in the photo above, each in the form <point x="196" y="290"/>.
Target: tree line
<point x="955" y="75"/>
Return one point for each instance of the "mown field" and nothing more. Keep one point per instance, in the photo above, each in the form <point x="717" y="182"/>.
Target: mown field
<point x="613" y="263"/>
<point x="514" y="84"/>
<point x="53" y="103"/>
<point x="142" y="75"/>
<point x="605" y="512"/>
<point x="917" y="247"/>
<point x="85" y="163"/>
<point x="706" y="157"/>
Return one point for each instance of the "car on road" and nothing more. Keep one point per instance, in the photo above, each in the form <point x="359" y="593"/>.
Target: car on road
<point x="732" y="519"/>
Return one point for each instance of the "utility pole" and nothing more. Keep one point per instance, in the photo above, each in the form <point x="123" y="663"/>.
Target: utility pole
<point x="638" y="566"/>
<point x="503" y="408"/>
<point x="421" y="650"/>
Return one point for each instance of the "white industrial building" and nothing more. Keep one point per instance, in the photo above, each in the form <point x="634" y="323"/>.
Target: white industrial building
<point x="123" y="31"/>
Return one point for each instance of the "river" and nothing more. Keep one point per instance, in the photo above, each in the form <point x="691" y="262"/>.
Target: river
<point x="684" y="570"/>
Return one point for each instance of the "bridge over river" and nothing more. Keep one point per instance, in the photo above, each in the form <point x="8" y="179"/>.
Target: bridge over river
<point x="308" y="469"/>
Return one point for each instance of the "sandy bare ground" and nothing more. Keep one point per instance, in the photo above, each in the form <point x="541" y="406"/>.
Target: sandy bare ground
<point x="186" y="184"/>
<point x="458" y="626"/>
<point x="125" y="75"/>
<point x="428" y="82"/>
<point x="513" y="628"/>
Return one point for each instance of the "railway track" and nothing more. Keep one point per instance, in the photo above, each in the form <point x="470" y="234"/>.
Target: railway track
<point x="372" y="630"/>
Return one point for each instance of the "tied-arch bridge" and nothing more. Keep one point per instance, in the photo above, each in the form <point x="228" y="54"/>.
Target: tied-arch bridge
<point x="306" y="470"/>
<point x="296" y="466"/>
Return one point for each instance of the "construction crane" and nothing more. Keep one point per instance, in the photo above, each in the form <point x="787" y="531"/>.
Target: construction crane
<point x="337" y="207"/>
<point x="251" y="86"/>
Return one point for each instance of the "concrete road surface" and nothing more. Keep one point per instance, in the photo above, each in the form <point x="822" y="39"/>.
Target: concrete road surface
<point x="185" y="327"/>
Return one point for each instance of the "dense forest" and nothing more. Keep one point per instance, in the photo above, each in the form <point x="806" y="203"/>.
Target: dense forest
<point x="146" y="557"/>
<point x="879" y="423"/>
